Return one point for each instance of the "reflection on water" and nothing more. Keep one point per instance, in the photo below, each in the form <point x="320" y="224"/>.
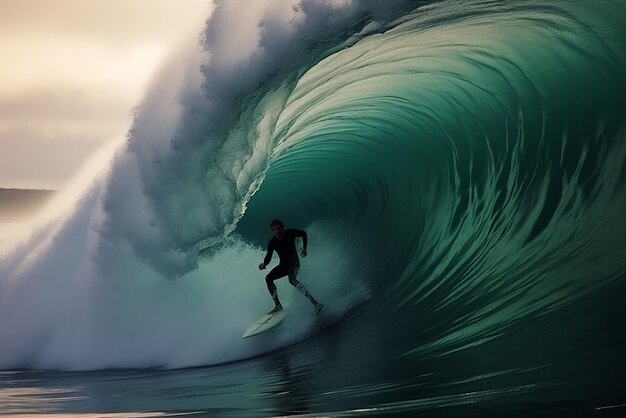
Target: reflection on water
<point x="257" y="389"/>
<point x="319" y="377"/>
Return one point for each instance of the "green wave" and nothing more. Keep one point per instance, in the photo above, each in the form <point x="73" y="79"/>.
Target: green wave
<point x="473" y="155"/>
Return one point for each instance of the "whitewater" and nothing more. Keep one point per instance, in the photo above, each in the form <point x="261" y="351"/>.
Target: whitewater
<point x="459" y="168"/>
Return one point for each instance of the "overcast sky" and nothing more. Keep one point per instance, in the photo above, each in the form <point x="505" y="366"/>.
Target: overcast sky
<point x="72" y="70"/>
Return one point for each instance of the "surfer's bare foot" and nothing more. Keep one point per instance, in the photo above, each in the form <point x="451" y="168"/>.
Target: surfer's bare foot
<point x="318" y="308"/>
<point x="277" y="308"/>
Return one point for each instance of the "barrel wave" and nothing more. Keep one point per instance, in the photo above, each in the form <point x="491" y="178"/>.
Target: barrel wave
<point x="460" y="169"/>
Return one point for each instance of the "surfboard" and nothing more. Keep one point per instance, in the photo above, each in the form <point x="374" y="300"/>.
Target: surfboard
<point x="266" y="322"/>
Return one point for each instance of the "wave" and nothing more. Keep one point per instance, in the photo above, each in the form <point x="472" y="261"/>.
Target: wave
<point x="459" y="168"/>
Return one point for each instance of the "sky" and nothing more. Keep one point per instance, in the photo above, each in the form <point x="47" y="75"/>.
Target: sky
<point x="71" y="73"/>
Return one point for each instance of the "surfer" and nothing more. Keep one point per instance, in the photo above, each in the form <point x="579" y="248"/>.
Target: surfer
<point x="284" y="243"/>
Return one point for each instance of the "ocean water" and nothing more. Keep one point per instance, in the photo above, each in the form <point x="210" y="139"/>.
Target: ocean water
<point x="459" y="168"/>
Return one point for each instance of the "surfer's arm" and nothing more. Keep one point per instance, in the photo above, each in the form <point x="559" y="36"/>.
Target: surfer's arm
<point x="305" y="241"/>
<point x="268" y="256"/>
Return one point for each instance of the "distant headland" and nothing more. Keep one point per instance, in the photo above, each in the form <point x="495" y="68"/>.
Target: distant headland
<point x="19" y="203"/>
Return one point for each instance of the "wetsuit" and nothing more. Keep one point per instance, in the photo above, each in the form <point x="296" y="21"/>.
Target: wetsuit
<point x="289" y="262"/>
<point x="286" y="249"/>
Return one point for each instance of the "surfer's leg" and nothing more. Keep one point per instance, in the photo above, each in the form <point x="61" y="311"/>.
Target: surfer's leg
<point x="293" y="272"/>
<point x="276" y="273"/>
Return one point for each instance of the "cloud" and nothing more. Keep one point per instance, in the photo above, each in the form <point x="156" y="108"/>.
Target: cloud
<point x="66" y="104"/>
<point x="72" y="72"/>
<point x="47" y="134"/>
<point x="111" y="21"/>
<point x="33" y="156"/>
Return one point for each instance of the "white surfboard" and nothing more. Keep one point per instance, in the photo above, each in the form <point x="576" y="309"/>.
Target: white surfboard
<point x="266" y="322"/>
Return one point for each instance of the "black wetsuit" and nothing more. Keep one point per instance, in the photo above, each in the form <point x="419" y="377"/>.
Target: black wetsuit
<point x="289" y="264"/>
<point x="286" y="249"/>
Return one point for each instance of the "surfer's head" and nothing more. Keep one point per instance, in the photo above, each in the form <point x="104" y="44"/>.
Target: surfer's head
<point x="277" y="228"/>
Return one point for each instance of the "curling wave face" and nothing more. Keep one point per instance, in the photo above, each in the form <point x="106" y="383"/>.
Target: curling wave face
<point x="482" y="159"/>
